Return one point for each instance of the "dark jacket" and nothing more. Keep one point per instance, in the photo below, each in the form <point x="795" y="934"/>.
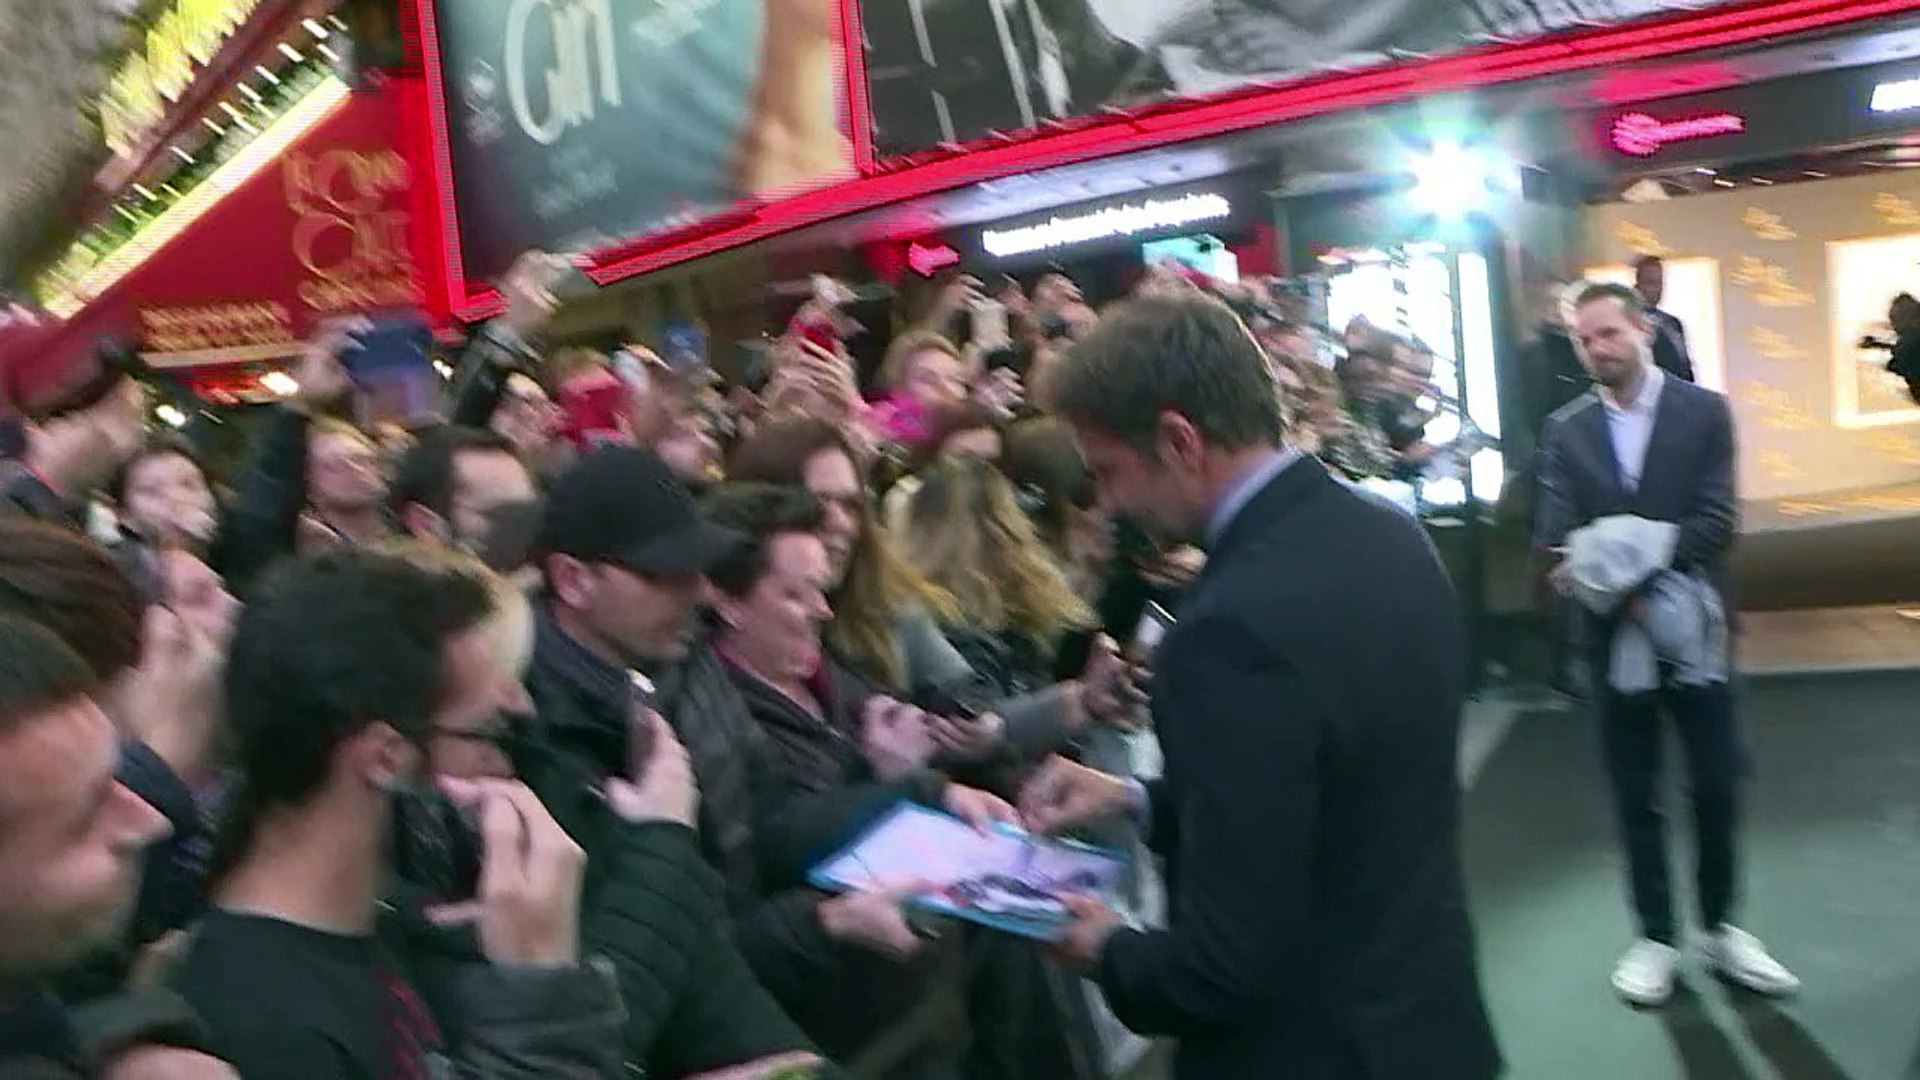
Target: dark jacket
<point x="654" y="910"/>
<point x="1687" y="479"/>
<point x="172" y="877"/>
<point x="848" y="998"/>
<point x="260" y="524"/>
<point x="1670" y="350"/>
<point x="23" y="493"/>
<point x="754" y="832"/>
<point x="1308" y="703"/>
<point x="37" y="1033"/>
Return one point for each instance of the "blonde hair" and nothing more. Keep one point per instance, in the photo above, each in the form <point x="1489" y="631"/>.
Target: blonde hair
<point x="966" y="533"/>
<point x="893" y="366"/>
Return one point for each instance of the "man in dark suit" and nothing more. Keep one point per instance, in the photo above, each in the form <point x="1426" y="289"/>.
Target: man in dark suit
<point x="1308" y="704"/>
<point x="1670" y="351"/>
<point x="1650" y="445"/>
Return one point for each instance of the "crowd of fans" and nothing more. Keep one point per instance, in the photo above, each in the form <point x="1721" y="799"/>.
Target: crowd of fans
<point x="504" y="744"/>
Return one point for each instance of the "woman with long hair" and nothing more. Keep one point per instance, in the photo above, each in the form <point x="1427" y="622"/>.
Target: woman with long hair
<point x="967" y="534"/>
<point x="887" y="616"/>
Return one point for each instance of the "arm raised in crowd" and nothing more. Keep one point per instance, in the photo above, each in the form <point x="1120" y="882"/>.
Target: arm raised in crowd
<point x="261" y="522"/>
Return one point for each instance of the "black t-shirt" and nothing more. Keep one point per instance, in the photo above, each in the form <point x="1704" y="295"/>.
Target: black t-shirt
<point x="288" y="1001"/>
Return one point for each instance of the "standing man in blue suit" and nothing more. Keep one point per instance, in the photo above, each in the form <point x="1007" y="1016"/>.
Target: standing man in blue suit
<point x="1647" y="444"/>
<point x="1308" y="703"/>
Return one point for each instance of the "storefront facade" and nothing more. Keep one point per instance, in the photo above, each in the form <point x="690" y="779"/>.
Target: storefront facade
<point x="248" y="193"/>
<point x="1799" y="225"/>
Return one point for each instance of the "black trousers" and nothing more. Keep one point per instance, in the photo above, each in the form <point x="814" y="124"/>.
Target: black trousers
<point x="1632" y="740"/>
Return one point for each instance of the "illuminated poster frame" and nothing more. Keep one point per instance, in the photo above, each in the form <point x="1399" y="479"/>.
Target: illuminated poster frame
<point x="1121" y="132"/>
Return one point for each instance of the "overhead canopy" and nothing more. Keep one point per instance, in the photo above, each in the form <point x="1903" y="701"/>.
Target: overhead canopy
<point x="310" y="220"/>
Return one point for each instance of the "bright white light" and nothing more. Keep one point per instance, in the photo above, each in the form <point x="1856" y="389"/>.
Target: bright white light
<point x="316" y="29"/>
<point x="1487" y="471"/>
<point x="1444" y="491"/>
<point x="170" y="415"/>
<point x="1448" y="182"/>
<point x="1123" y="220"/>
<point x="1476" y="333"/>
<point x="279" y="382"/>
<point x="445" y="369"/>
<point x="290" y="52"/>
<point x="1453" y="181"/>
<point x="1896" y="96"/>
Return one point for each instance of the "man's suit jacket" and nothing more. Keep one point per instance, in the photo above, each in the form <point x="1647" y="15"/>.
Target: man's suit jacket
<point x="1687" y="479"/>
<point x="1308" y="703"/>
<point x="1670" y="345"/>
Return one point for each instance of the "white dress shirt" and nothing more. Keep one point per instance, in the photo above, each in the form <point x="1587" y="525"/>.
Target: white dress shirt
<point x="1630" y="424"/>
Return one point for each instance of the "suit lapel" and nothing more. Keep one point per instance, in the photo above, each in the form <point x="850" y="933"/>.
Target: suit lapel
<point x="1665" y="426"/>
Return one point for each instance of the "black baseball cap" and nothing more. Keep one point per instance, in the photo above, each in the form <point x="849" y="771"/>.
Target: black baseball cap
<point x="624" y="506"/>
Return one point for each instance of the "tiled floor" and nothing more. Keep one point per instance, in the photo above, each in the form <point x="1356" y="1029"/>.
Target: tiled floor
<point x="1829" y="640"/>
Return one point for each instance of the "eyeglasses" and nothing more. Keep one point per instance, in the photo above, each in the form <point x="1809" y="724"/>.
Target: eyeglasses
<point x="504" y="731"/>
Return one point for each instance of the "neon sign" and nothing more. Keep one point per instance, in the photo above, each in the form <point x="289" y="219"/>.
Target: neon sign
<point x="1639" y="135"/>
<point x="1127" y="219"/>
<point x="1896" y="96"/>
<point x="929" y="259"/>
<point x="183" y="41"/>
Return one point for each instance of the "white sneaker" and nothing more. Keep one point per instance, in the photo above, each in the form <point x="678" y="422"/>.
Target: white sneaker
<point x="1645" y="975"/>
<point x="1740" y="958"/>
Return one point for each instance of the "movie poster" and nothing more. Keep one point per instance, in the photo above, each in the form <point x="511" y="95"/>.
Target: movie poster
<point x="575" y="124"/>
<point x="956" y="70"/>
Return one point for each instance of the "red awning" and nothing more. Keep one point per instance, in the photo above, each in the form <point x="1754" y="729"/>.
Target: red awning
<point x="323" y="228"/>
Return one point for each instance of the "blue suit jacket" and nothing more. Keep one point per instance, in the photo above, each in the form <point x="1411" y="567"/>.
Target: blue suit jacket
<point x="1308" y="703"/>
<point x="1687" y="479"/>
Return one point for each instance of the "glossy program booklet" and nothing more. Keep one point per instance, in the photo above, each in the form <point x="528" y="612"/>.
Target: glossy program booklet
<point x="1007" y="879"/>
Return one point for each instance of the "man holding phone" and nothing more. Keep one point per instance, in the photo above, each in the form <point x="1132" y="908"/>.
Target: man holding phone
<point x="341" y="665"/>
<point x="1309" y="809"/>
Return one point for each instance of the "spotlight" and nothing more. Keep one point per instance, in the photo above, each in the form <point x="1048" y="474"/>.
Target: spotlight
<point x="1453" y="181"/>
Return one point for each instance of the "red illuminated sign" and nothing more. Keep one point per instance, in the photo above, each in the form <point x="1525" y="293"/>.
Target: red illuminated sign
<point x="929" y="259"/>
<point x="1639" y="135"/>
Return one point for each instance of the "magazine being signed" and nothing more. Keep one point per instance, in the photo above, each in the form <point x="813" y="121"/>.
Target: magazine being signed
<point x="1005" y="878"/>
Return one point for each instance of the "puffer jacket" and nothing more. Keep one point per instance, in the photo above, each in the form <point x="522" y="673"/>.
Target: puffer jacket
<point x="652" y="909"/>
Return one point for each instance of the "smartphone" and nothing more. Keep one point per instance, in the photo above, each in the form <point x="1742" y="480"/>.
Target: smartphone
<point x="392" y="342"/>
<point x="751" y="361"/>
<point x="819" y="328"/>
<point x="683" y="347"/>
<point x="1006" y="357"/>
<point x="989" y="320"/>
<point x="436" y="845"/>
<point x="1155" y="623"/>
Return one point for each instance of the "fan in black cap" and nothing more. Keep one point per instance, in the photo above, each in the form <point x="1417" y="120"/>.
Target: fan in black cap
<point x="624" y="506"/>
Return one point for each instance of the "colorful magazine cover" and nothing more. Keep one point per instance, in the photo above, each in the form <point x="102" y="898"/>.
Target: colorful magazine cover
<point x="1005" y="878"/>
